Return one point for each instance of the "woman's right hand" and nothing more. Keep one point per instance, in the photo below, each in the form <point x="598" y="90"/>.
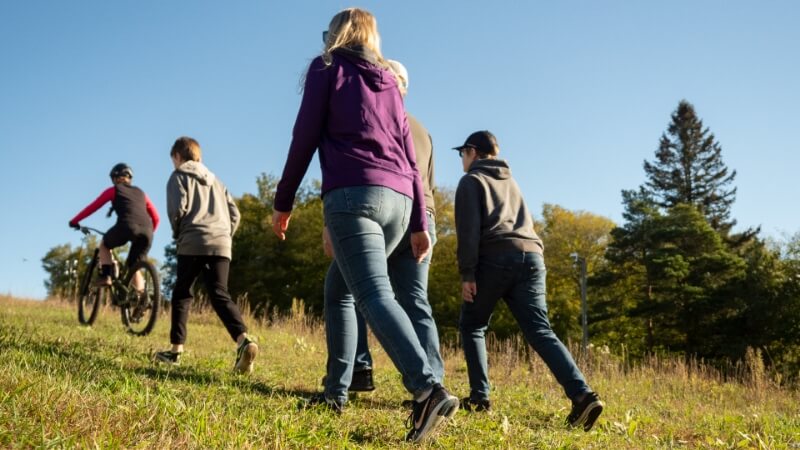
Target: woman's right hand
<point x="468" y="291"/>
<point x="420" y="244"/>
<point x="280" y="223"/>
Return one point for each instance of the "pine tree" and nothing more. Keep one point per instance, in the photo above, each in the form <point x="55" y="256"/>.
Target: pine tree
<point x="689" y="169"/>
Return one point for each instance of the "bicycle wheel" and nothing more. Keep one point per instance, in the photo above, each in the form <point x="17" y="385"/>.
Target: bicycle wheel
<point x="90" y="296"/>
<point x="139" y="311"/>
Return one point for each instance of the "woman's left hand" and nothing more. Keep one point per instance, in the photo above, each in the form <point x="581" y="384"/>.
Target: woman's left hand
<point x="280" y="223"/>
<point x="420" y="244"/>
<point x="327" y="247"/>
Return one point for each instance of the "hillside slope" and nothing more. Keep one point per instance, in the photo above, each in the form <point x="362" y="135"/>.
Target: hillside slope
<point x="64" y="386"/>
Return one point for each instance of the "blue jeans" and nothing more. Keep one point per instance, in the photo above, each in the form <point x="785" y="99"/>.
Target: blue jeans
<point x="366" y="223"/>
<point x="410" y="283"/>
<point x="518" y="278"/>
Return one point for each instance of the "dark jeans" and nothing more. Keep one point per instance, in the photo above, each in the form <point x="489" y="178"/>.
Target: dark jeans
<point x="519" y="279"/>
<point x="214" y="270"/>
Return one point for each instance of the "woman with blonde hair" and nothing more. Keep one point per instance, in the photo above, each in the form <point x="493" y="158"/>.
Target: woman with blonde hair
<point x="352" y="111"/>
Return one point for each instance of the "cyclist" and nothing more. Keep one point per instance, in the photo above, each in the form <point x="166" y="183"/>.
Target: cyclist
<point x="137" y="219"/>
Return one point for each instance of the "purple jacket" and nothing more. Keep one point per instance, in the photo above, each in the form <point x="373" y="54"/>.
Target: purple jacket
<point x="353" y="112"/>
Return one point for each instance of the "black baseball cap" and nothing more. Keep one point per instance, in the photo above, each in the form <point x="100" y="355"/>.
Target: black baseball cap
<point x="483" y="142"/>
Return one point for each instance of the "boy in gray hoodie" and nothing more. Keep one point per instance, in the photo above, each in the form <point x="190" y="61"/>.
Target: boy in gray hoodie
<point x="204" y="218"/>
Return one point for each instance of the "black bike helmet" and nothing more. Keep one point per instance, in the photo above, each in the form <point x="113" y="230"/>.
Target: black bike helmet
<point x="121" y="170"/>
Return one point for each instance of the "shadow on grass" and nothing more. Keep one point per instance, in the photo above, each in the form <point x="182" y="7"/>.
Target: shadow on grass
<point x="79" y="357"/>
<point x="374" y="403"/>
<point x="302" y="396"/>
<point x="203" y="378"/>
<point x="185" y="374"/>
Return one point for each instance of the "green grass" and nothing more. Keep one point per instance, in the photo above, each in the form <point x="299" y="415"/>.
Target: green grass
<point x="66" y="386"/>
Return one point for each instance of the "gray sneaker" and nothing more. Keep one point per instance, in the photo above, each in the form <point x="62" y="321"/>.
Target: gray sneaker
<point x="245" y="354"/>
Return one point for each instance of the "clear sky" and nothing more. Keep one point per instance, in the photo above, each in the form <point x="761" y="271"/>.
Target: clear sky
<point x="577" y="92"/>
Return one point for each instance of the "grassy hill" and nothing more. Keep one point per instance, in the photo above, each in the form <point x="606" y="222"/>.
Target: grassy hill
<point x="65" y="386"/>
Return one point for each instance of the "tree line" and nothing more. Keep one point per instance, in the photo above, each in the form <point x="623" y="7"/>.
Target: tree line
<point x="675" y="276"/>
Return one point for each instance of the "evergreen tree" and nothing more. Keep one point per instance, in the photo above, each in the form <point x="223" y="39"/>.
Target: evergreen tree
<point x="688" y="168"/>
<point x="679" y="279"/>
<point x="769" y="318"/>
<point x="624" y="284"/>
<point x="680" y="271"/>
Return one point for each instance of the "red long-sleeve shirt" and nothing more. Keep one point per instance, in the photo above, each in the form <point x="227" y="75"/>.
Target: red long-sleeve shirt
<point x="131" y="204"/>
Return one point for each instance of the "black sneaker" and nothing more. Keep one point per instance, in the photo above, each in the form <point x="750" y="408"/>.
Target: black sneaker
<point x="586" y="411"/>
<point x="319" y="399"/>
<point x="168" y="357"/>
<point x="362" y="381"/>
<point x="245" y="354"/>
<point x="468" y="404"/>
<point x="426" y="415"/>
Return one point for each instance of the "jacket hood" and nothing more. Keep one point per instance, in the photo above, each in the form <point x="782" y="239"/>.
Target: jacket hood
<point x="376" y="77"/>
<point x="495" y="168"/>
<point x="198" y="171"/>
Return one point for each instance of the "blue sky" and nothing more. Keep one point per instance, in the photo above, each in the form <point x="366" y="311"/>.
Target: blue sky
<point x="577" y="92"/>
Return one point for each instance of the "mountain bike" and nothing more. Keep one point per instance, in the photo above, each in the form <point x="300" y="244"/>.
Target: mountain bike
<point x="138" y="309"/>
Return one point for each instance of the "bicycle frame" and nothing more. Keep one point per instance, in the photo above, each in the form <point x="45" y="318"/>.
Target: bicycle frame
<point x="133" y="304"/>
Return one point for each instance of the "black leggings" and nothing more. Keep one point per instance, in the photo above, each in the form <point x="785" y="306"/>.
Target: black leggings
<point x="139" y="236"/>
<point x="215" y="276"/>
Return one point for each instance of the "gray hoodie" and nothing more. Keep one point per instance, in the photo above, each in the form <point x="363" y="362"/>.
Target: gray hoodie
<point x="202" y="213"/>
<point x="491" y="216"/>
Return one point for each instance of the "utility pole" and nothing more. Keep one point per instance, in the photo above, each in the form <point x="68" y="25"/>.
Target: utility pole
<point x="71" y="272"/>
<point x="74" y="278"/>
<point x="581" y="262"/>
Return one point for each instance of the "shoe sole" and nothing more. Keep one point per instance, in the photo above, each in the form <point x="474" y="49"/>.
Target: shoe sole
<point x="361" y="388"/>
<point x="592" y="416"/>
<point x="245" y="364"/>
<point x="166" y="361"/>
<point x="453" y="410"/>
<point x="444" y="410"/>
<point x="589" y="415"/>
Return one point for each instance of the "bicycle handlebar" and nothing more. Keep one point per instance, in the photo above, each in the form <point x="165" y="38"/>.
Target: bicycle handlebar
<point x="88" y="230"/>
